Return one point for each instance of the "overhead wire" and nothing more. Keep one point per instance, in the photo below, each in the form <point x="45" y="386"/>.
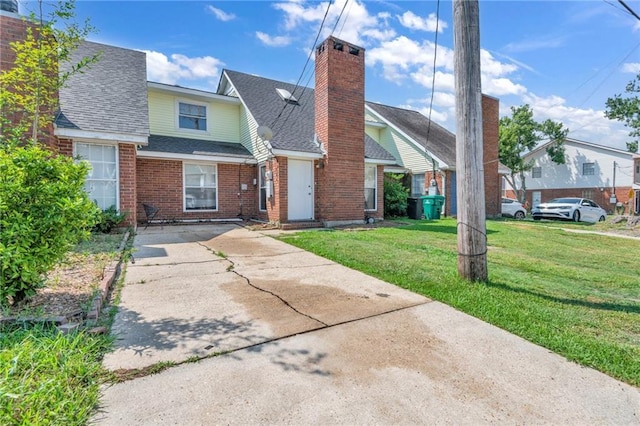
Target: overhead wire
<point x="433" y="88"/>
<point x="326" y="13"/>
<point x="306" y="85"/>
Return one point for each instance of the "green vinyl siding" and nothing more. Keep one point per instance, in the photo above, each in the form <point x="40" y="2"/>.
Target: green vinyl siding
<point x="249" y="136"/>
<point x="370" y="117"/>
<point x="223" y="120"/>
<point x="373" y="132"/>
<point x="408" y="154"/>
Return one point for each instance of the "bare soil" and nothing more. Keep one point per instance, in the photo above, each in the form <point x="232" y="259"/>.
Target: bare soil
<point x="68" y="289"/>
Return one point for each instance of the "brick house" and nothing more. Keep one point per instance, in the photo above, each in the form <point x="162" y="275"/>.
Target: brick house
<point x="255" y="148"/>
<point x="603" y="174"/>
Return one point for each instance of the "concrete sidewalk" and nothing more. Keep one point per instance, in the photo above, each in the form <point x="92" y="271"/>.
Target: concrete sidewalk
<point x="308" y="341"/>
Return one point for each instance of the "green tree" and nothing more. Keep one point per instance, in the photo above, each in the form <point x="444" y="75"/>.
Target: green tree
<point x="29" y="94"/>
<point x="519" y="134"/>
<point x="627" y="110"/>
<point x="395" y="195"/>
<point x="44" y="209"/>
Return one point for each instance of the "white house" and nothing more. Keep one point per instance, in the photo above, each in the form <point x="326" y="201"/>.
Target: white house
<point x="606" y="175"/>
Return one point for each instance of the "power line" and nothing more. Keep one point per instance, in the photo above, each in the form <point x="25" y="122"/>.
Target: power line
<point x="433" y="87"/>
<point x="306" y="63"/>
<point x="306" y="85"/>
<point x="629" y="9"/>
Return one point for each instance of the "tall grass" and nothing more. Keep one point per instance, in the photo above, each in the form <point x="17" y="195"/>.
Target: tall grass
<point x="47" y="377"/>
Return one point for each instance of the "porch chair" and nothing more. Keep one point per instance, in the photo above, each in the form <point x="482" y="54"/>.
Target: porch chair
<point x="151" y="212"/>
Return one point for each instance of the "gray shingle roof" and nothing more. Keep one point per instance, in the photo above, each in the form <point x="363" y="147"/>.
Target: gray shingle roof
<point x="442" y="143"/>
<point x="294" y="127"/>
<point x="110" y="96"/>
<point x="176" y="145"/>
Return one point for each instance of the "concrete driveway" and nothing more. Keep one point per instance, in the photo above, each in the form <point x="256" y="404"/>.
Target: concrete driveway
<point x="307" y="341"/>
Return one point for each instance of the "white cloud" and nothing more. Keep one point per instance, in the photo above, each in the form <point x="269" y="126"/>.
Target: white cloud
<point x="585" y="124"/>
<point x="170" y="70"/>
<point x="414" y="22"/>
<point x="631" y="67"/>
<point x="273" y="41"/>
<point x="220" y="14"/>
<point x="356" y="24"/>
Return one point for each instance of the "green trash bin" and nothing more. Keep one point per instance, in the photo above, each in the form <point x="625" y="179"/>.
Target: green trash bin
<point x="432" y="205"/>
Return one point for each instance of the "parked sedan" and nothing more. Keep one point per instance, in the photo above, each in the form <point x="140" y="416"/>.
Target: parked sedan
<point x="576" y="209"/>
<point x="513" y="208"/>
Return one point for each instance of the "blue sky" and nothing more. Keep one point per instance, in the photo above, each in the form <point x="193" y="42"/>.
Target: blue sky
<point x="564" y="58"/>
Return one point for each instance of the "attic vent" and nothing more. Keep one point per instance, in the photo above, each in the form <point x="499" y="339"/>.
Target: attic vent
<point x="287" y="96"/>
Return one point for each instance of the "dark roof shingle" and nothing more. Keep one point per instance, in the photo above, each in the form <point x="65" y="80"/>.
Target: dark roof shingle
<point x="294" y="127"/>
<point x="177" y="145"/>
<point x="442" y="143"/>
<point x="110" y="95"/>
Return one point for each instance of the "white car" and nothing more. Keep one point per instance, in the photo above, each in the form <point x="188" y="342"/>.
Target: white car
<point x="570" y="208"/>
<point x="513" y="208"/>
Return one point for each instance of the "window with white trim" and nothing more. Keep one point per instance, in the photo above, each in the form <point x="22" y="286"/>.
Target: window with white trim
<point x="588" y="169"/>
<point x="536" y="172"/>
<point x="370" y="187"/>
<point x="192" y="116"/>
<point x="200" y="187"/>
<point x="417" y="184"/>
<point x="263" y="187"/>
<point x="102" y="180"/>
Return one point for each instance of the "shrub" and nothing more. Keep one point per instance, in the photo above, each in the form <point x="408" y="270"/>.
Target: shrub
<point x="395" y="196"/>
<point x="108" y="220"/>
<point x="44" y="211"/>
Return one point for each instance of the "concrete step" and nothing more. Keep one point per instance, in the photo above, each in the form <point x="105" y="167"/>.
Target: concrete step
<point x="305" y="224"/>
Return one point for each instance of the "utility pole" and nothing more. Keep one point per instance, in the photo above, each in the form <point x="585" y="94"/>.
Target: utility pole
<point x="472" y="231"/>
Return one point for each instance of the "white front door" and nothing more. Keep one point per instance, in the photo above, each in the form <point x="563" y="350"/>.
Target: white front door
<point x="300" y="184"/>
<point x="536" y="198"/>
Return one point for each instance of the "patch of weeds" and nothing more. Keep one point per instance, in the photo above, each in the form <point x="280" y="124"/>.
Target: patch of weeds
<point x="123" y="375"/>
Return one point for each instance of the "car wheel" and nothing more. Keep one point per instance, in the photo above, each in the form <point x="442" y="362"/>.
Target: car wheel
<point x="519" y="215"/>
<point x="602" y="219"/>
<point x="576" y="216"/>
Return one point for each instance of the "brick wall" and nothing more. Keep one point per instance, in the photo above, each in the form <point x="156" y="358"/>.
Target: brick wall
<point x="127" y="167"/>
<point x="339" y="123"/>
<point x="159" y="182"/>
<point x="492" y="180"/>
<point x="12" y="29"/>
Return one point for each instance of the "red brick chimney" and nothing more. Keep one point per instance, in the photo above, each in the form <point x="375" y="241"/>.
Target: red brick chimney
<point x="339" y="125"/>
<point x="492" y="180"/>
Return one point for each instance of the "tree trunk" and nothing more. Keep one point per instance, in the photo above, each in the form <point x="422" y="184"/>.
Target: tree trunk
<point x="472" y="237"/>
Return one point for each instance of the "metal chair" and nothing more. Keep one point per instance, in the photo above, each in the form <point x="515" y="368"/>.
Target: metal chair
<point x="151" y="212"/>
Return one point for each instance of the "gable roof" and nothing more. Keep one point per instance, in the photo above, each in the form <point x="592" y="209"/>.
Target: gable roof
<point x="109" y="99"/>
<point x="441" y="143"/>
<point x="293" y="124"/>
<point x="589" y="145"/>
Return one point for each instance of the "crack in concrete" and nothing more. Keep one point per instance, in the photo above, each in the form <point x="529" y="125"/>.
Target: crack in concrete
<point x="232" y="269"/>
<point x="127" y="374"/>
<point x="277" y="296"/>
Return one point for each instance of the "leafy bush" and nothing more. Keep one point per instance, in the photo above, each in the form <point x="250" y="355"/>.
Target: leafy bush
<point x="395" y="196"/>
<point x="108" y="220"/>
<point x="44" y="211"/>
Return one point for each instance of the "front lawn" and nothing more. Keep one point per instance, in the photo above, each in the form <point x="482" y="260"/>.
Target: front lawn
<point x="576" y="294"/>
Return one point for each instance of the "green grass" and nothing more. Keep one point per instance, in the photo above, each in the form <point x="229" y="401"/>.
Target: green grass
<point x="576" y="294"/>
<point x="47" y="377"/>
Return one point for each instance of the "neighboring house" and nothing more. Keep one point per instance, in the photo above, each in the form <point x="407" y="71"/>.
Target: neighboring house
<point x="606" y="175"/>
<point x="256" y="148"/>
